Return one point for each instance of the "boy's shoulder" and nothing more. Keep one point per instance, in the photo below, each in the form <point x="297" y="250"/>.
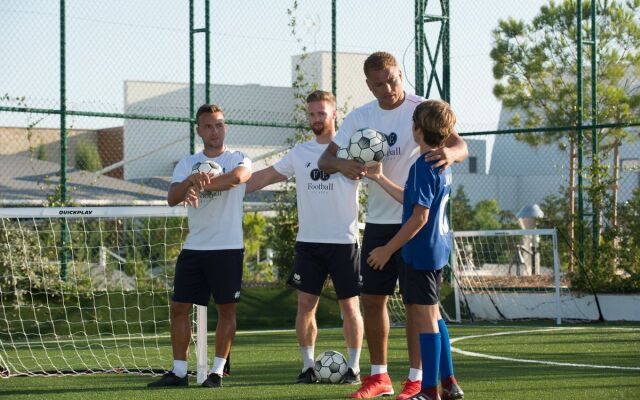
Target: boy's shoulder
<point x="426" y="174"/>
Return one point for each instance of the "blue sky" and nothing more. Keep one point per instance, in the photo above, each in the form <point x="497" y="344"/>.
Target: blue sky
<point x="111" y="42"/>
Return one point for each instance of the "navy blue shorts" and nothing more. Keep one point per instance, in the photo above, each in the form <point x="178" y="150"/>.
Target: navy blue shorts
<point x="420" y="286"/>
<point x="383" y="281"/>
<point x="314" y="261"/>
<point x="202" y="273"/>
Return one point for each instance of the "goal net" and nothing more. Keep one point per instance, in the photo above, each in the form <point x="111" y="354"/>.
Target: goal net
<point x="507" y="275"/>
<point x="85" y="290"/>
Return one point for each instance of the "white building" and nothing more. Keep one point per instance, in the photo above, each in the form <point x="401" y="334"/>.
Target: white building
<point x="517" y="174"/>
<point x="499" y="166"/>
<point x="151" y="148"/>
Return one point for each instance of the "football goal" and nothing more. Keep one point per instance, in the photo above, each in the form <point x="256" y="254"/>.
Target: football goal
<point x="507" y="275"/>
<point x="85" y="290"/>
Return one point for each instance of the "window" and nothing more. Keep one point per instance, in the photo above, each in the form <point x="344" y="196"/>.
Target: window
<point x="473" y="165"/>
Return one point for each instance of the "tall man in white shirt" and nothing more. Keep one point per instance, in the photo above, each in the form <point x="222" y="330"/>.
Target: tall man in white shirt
<point x="327" y="230"/>
<point x="391" y="113"/>
<point x="210" y="262"/>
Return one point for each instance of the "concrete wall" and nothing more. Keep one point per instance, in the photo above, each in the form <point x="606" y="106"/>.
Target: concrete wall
<point x="25" y="142"/>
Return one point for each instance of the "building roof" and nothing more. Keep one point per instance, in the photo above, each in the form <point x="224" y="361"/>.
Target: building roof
<point x="29" y="181"/>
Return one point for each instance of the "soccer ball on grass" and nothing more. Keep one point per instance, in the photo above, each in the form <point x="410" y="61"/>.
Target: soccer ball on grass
<point x="330" y="367"/>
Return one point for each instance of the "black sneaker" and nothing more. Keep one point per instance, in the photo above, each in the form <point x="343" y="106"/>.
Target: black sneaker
<point x="213" y="381"/>
<point x="351" y="378"/>
<point x="169" y="379"/>
<point x="307" y="376"/>
<point x="226" y="371"/>
<point x="453" y="393"/>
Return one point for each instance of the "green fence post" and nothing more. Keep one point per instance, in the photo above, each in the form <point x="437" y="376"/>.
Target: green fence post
<point x="192" y="106"/>
<point x="594" y="132"/>
<point x="419" y="47"/>
<point x="207" y="55"/>
<point x="580" y="118"/>
<point x="63" y="144"/>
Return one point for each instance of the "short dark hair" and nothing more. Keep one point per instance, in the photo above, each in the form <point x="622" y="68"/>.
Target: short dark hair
<point x="378" y="61"/>
<point x="436" y="120"/>
<point x="321" y="95"/>
<point x="208" y="109"/>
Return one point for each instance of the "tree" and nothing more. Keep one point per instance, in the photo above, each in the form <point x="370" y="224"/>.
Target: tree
<point x="535" y="65"/>
<point x="283" y="228"/>
<point x="486" y="215"/>
<point x="462" y="212"/>
<point x="87" y="156"/>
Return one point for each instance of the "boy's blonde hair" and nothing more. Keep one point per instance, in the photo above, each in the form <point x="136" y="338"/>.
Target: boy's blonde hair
<point x="436" y="120"/>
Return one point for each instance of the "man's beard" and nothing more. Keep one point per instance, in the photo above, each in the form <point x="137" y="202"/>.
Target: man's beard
<point x="318" y="131"/>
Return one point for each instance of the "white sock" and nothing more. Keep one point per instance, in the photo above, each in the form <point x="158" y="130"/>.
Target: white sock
<point x="378" y="369"/>
<point x="354" y="359"/>
<point x="218" y="366"/>
<point x="415" y="374"/>
<point x="180" y="368"/>
<point x="307" y="357"/>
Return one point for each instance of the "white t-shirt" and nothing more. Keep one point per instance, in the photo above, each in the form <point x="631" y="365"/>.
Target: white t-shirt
<point x="327" y="203"/>
<point x="397" y="125"/>
<point x="217" y="222"/>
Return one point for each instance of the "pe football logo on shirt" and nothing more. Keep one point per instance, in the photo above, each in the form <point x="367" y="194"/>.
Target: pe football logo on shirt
<point x="392" y="138"/>
<point x="317" y="174"/>
<point x="393" y="152"/>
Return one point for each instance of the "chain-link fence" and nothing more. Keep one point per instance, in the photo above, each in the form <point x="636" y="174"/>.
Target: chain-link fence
<point x="124" y="78"/>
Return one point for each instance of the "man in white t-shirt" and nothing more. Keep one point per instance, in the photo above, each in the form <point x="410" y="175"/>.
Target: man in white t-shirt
<point x="391" y="113"/>
<point x="210" y="262"/>
<point x="327" y="230"/>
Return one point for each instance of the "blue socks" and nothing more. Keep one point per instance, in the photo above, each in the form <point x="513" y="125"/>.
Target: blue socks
<point x="430" y="344"/>
<point x="446" y="364"/>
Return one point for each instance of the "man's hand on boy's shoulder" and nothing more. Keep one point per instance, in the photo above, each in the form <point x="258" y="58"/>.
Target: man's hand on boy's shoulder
<point x="442" y="157"/>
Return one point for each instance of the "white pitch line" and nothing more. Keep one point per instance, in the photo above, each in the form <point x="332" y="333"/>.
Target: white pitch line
<point x="520" y="360"/>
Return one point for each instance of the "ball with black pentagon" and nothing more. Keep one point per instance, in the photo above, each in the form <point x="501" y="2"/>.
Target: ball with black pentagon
<point x="330" y="367"/>
<point x="344" y="153"/>
<point x="368" y="146"/>
<point x="208" y="167"/>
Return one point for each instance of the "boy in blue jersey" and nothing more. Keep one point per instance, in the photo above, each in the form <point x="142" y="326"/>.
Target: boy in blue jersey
<point x="426" y="242"/>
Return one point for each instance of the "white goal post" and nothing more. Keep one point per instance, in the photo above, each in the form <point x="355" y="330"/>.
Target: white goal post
<point x="504" y="275"/>
<point x="109" y="310"/>
<point x="507" y="274"/>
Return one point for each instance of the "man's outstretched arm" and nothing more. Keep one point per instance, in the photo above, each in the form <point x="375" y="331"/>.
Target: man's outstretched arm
<point x="329" y="163"/>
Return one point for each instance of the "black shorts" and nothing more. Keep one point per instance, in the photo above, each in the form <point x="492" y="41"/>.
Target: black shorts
<point x="314" y="261"/>
<point x="383" y="281"/>
<point x="420" y="286"/>
<point x="201" y="273"/>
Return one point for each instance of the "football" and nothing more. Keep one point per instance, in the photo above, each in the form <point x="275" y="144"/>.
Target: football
<point x="344" y="153"/>
<point x="208" y="167"/>
<point x="330" y="367"/>
<point x="368" y="146"/>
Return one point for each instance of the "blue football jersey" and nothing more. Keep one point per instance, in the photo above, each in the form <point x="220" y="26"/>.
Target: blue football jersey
<point x="430" y="247"/>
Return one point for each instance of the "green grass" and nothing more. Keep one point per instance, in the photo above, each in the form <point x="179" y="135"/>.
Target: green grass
<point x="265" y="364"/>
